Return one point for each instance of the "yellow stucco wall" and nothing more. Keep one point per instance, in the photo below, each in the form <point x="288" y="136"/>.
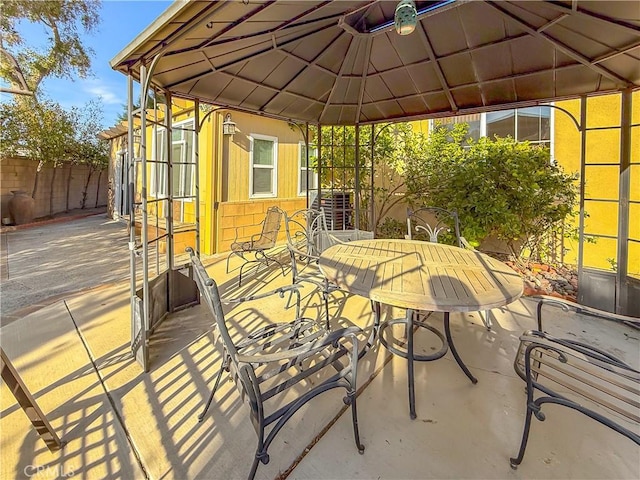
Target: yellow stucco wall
<point x="238" y="213"/>
<point x="224" y="165"/>
<point x="602" y="172"/>
<point x="243" y="218"/>
<point x="237" y="151"/>
<point x="224" y="162"/>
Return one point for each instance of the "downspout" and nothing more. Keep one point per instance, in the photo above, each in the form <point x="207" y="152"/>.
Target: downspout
<point x="211" y="177"/>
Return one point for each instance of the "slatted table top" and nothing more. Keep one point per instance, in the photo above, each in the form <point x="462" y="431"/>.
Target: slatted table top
<point x="421" y="275"/>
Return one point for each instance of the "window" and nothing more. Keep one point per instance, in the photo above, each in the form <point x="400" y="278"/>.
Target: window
<point x="182" y="156"/>
<point x="502" y="124"/>
<point x="474" y="121"/>
<point x="264" y="161"/>
<point x="307" y="176"/>
<point x="158" y="180"/>
<point x="533" y="124"/>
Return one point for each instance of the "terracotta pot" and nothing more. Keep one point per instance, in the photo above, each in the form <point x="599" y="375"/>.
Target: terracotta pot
<point x="21" y="207"/>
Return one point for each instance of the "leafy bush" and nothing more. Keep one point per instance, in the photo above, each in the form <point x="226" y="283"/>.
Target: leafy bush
<point x="392" y="228"/>
<point x="499" y="187"/>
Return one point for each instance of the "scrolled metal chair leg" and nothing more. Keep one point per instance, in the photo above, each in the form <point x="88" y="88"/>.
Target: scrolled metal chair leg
<point x="325" y="297"/>
<point x="215" y="387"/>
<point x="241" y="270"/>
<point x="231" y="255"/>
<point x="486" y="319"/>
<point x="254" y="468"/>
<point x="260" y="456"/>
<point x="515" y="461"/>
<point x="354" y="419"/>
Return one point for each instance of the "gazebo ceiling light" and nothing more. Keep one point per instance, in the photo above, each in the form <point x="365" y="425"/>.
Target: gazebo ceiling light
<point x="406" y="17"/>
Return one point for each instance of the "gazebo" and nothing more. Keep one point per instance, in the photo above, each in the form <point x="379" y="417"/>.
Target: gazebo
<point x="364" y="62"/>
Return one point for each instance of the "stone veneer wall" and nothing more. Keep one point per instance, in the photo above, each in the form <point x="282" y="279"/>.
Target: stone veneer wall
<point x="19" y="174"/>
<point x="244" y="217"/>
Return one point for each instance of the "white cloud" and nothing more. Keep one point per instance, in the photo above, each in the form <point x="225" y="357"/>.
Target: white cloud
<point x="97" y="88"/>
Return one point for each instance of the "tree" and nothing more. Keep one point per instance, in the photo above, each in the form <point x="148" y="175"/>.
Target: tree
<point x="64" y="54"/>
<point x="393" y="144"/>
<point x="41" y="130"/>
<point x="499" y="187"/>
<point x="88" y="149"/>
<point x="45" y="132"/>
<point x="153" y="101"/>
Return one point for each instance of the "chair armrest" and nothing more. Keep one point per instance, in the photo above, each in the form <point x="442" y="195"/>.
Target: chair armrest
<point x="278" y="291"/>
<point x="330" y="339"/>
<point x="293" y="289"/>
<point x="545" y="340"/>
<point x="566" y="305"/>
<point x="249" y="238"/>
<point x="581" y="377"/>
<point x="466" y="244"/>
<point x="295" y="251"/>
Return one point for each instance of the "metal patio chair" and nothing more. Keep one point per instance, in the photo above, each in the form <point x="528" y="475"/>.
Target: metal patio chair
<point x="434" y="224"/>
<point x="280" y="367"/>
<point x="307" y="237"/>
<point x="580" y="376"/>
<point x="256" y="248"/>
<point x="429" y="223"/>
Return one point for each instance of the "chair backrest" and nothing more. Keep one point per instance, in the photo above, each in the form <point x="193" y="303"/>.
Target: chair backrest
<point x="210" y="294"/>
<point x="430" y="223"/>
<point x="580" y="373"/>
<point x="270" y="229"/>
<point x="307" y="232"/>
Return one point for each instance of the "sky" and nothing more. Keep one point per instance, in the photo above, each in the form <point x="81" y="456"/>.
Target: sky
<point x="121" y="21"/>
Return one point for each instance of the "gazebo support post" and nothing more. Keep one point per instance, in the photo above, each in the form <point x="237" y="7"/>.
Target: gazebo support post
<point x="622" y="294"/>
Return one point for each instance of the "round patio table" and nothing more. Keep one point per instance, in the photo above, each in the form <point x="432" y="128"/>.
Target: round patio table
<point x="420" y="276"/>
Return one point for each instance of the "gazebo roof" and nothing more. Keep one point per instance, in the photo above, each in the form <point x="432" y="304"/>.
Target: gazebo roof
<point x="341" y="62"/>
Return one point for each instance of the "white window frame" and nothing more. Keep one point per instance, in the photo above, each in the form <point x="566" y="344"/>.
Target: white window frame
<point x="157" y="169"/>
<point x="550" y="142"/>
<point x="274" y="167"/>
<point x="302" y="171"/>
<point x="190" y="130"/>
<point x="158" y="149"/>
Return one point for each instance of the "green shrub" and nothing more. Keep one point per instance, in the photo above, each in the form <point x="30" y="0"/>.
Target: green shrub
<point x="499" y="187"/>
<point x="391" y="228"/>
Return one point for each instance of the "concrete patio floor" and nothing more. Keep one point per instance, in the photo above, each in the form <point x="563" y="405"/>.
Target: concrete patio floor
<point x="122" y="423"/>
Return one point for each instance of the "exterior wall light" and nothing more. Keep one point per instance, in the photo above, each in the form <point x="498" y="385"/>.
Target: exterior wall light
<point x="406" y="17"/>
<point x="228" y="126"/>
